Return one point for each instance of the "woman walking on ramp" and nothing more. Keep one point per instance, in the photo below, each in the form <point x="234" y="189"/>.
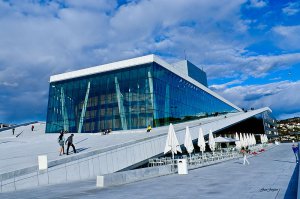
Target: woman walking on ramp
<point x="244" y="152"/>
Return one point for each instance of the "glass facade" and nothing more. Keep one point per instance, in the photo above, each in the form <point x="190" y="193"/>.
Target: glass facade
<point x="128" y="98"/>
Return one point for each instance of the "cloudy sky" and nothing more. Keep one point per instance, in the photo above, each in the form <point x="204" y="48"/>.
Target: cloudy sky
<point x="249" y="48"/>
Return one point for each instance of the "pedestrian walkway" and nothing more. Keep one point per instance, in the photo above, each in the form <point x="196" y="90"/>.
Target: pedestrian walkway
<point x="272" y="174"/>
<point x="24" y="149"/>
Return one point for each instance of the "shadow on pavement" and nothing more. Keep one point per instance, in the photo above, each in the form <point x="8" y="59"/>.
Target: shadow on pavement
<point x="81" y="140"/>
<point x="284" y="161"/>
<point x="237" y="162"/>
<point x="81" y="149"/>
<point x="291" y="191"/>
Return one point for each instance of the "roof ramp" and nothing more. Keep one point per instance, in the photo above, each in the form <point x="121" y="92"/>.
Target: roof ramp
<point x="120" y="156"/>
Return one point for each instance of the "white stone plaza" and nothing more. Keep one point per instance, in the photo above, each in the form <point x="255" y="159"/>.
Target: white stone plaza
<point x="272" y="174"/>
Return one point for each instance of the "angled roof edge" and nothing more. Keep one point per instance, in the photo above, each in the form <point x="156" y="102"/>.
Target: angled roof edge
<point x="103" y="68"/>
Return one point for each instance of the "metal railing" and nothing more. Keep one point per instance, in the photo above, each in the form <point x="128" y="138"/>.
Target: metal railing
<point x="196" y="159"/>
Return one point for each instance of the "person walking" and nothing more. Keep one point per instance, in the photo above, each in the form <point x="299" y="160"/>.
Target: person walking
<point x="61" y="142"/>
<point x="296" y="151"/>
<point x="244" y="152"/>
<point x="13" y="131"/>
<point x="69" y="141"/>
<point x="32" y="127"/>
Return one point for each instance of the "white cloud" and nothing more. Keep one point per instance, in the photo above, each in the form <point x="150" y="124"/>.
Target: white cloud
<point x="281" y="96"/>
<point x="254" y="66"/>
<point x="226" y="85"/>
<point x="258" y="3"/>
<point x="9" y="84"/>
<point x="287" y="37"/>
<point x="292" y="8"/>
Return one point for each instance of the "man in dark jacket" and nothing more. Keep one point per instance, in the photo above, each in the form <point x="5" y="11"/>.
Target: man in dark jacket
<point x="69" y="141"/>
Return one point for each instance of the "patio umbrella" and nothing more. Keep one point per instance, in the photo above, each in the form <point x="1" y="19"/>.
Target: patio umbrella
<point x="262" y="138"/>
<point x="172" y="143"/>
<point x="254" y="139"/>
<point x="242" y="140"/>
<point x="237" y="142"/>
<point x="245" y="140"/>
<point x="251" y="139"/>
<point x="248" y="139"/>
<point x="188" y="142"/>
<point x="211" y="142"/>
<point x="201" y="141"/>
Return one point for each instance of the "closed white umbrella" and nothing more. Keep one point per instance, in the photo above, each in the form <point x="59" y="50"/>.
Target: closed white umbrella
<point x="242" y="140"/>
<point x="237" y="142"/>
<point x="245" y="140"/>
<point x="201" y="141"/>
<point x="248" y="139"/>
<point x="172" y="143"/>
<point x="211" y="142"/>
<point x="251" y="139"/>
<point x="262" y="138"/>
<point x="254" y="139"/>
<point x="188" y="142"/>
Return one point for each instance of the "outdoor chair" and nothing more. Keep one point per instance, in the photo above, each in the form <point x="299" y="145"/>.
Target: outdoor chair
<point x="197" y="155"/>
<point x="169" y="161"/>
<point x="158" y="162"/>
<point x="151" y="163"/>
<point x="218" y="156"/>
<point x="210" y="157"/>
<point x="200" y="160"/>
<point x="163" y="160"/>
<point x="205" y="158"/>
<point x="192" y="160"/>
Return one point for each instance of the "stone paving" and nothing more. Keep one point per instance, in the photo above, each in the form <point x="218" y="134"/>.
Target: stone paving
<point x="272" y="174"/>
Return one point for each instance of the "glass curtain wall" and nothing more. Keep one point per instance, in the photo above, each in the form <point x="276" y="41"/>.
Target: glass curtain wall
<point x="116" y="100"/>
<point x="178" y="100"/>
<point x="128" y="98"/>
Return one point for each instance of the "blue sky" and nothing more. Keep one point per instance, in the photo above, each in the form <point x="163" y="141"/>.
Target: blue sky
<point x="249" y="48"/>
